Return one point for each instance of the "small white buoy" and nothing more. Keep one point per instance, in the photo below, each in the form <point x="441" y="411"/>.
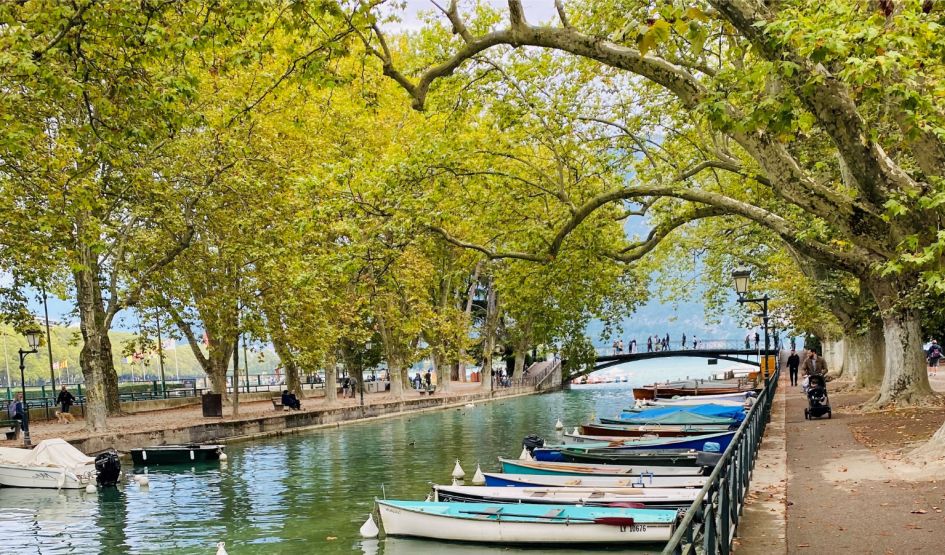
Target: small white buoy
<point x="524" y="456"/>
<point x="221" y="548"/>
<point x="576" y="431"/>
<point x="455" y="482"/>
<point x="458" y="472"/>
<point x="223" y="457"/>
<point x="469" y="405"/>
<point x="90" y="488"/>
<point x="559" y="425"/>
<point x="478" y="478"/>
<point x="369" y="529"/>
<point x="143" y="481"/>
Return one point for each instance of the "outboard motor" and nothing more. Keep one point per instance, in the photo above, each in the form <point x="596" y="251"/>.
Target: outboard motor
<point x="533" y="441"/>
<point x="108" y="468"/>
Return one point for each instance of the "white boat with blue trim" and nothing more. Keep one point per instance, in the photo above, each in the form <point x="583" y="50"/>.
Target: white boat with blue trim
<point x="525" y="523"/>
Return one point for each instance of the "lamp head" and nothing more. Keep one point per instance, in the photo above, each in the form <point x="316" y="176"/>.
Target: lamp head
<point x="32" y="338"/>
<point x="741" y="278"/>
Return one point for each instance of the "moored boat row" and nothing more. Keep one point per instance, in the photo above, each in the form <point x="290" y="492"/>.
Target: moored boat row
<point x="621" y="480"/>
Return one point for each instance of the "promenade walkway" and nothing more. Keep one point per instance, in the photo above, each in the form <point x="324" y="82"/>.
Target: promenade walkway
<point x="847" y="488"/>
<point x="191" y="415"/>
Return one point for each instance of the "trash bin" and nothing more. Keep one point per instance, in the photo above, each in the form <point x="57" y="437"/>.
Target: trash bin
<point x="212" y="404"/>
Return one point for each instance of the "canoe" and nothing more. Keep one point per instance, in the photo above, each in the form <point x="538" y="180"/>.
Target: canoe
<point x="645" y="481"/>
<point x="658" y="430"/>
<point x="525" y="523"/>
<point x="676" y="498"/>
<point x="175" y="454"/>
<point x="56" y="464"/>
<point x="510" y="466"/>
<point x="717" y="443"/>
<point x="678" y="457"/>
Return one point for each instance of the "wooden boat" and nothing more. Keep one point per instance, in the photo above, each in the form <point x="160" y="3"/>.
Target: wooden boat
<point x="175" y="454"/>
<point x="510" y="466"/>
<point x="717" y="443"/>
<point x="525" y="523"/>
<point x="651" y="392"/>
<point x="657" y="430"/>
<point x="678" y="457"/>
<point x="56" y="464"/>
<point x="644" y="481"/>
<point x="676" y="498"/>
<point x="733" y="399"/>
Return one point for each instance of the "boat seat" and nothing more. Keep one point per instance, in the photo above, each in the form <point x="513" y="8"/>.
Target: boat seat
<point x="539" y="494"/>
<point x="490" y="512"/>
<point x="595" y="495"/>
<point x="553" y="513"/>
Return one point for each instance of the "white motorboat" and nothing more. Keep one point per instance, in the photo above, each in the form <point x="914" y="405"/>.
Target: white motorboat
<point x="525" y="523"/>
<point x="55" y="464"/>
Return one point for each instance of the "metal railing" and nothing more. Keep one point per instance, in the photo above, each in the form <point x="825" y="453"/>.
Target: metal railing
<point x="709" y="525"/>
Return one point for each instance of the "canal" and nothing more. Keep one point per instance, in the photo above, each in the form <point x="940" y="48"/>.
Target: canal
<point x="306" y="493"/>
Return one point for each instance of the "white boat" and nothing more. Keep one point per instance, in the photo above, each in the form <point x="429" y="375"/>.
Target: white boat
<point x="724" y="399"/>
<point x="517" y="466"/>
<point x="55" y="464"/>
<point x="641" y="481"/>
<point x="525" y="523"/>
<point x="597" y="497"/>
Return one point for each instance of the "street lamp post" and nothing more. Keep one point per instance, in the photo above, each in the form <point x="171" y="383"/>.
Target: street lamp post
<point x="32" y="339"/>
<point x="742" y="279"/>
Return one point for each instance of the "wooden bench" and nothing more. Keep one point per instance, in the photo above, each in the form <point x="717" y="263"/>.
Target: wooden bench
<point x="15" y="424"/>
<point x="277" y="403"/>
<point x="429" y="391"/>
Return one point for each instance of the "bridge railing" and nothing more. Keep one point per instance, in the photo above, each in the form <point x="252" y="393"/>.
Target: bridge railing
<point x="698" y="345"/>
<point x="709" y="525"/>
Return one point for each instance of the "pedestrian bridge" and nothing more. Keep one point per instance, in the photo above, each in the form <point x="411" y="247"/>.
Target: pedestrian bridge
<point x="733" y="351"/>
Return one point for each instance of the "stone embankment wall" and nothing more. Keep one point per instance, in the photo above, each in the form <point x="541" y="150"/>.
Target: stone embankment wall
<point x="279" y="423"/>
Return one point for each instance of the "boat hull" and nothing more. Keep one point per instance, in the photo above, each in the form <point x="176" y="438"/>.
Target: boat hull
<point x="46" y="477"/>
<point x="698" y="443"/>
<point x="650" y="393"/>
<point x="666" y="498"/>
<point x="645" y="481"/>
<point x="400" y="521"/>
<point x="175" y="454"/>
<point x="575" y="469"/>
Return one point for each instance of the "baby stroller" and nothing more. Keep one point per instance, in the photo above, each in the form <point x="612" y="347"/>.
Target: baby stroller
<point x="818" y="404"/>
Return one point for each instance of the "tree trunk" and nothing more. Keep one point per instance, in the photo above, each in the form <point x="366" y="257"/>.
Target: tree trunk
<point x="331" y="380"/>
<point x="442" y="370"/>
<point x="219" y="362"/>
<point x="905" y="380"/>
<point x="835" y="352"/>
<point x="519" y="363"/>
<point x="470" y="295"/>
<point x="488" y="338"/>
<point x="864" y="357"/>
<point x="396" y="373"/>
<point x="236" y="376"/>
<point x="293" y="381"/>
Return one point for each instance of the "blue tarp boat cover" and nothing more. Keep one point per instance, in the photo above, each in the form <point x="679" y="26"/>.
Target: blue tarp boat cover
<point x="718" y="411"/>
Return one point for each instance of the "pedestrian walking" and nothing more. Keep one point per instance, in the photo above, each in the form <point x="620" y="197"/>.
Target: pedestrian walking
<point x="667" y="341"/>
<point x="615" y="346"/>
<point x="793" y="343"/>
<point x="65" y="400"/>
<point x="633" y="345"/>
<point x="748" y="340"/>
<point x="814" y="365"/>
<point x="933" y="355"/>
<point x="757" y="339"/>
<point x="793" y="363"/>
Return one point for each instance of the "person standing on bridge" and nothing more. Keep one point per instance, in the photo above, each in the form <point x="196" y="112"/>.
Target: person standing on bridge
<point x="620" y="347"/>
<point x="757" y="338"/>
<point x="748" y="340"/>
<point x="684" y="341"/>
<point x="695" y="342"/>
<point x="633" y="346"/>
<point x="667" y="341"/>
<point x="649" y="344"/>
<point x="793" y="363"/>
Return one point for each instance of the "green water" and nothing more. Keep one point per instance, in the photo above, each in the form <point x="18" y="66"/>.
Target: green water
<point x="306" y="493"/>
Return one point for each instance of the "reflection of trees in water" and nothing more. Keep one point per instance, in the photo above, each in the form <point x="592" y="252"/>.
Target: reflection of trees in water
<point x="112" y="520"/>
